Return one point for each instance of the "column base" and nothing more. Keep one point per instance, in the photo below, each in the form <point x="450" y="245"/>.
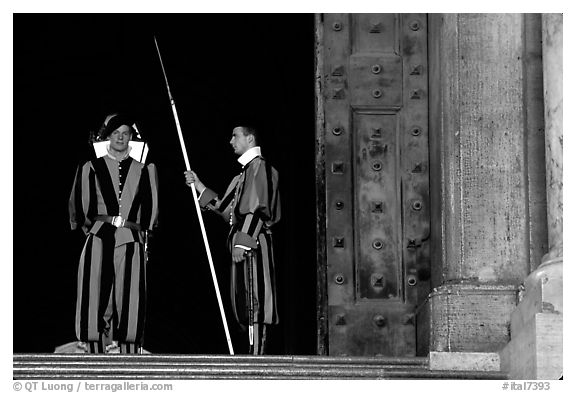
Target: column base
<point x="535" y="351"/>
<point x="466" y="318"/>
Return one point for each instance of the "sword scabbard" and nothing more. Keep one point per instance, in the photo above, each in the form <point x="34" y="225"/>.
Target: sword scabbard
<point x="249" y="260"/>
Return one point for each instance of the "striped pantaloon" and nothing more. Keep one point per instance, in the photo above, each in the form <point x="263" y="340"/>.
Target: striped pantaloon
<point x="111" y="297"/>
<point x="264" y="294"/>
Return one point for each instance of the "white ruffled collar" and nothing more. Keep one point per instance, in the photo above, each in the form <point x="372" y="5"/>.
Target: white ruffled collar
<point x="249" y="155"/>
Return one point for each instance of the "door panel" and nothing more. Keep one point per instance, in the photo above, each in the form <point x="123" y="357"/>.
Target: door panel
<point x="375" y="108"/>
<point x="375" y="192"/>
<point x="374" y="80"/>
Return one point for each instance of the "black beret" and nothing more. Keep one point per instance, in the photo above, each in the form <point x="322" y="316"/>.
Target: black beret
<point x="113" y="122"/>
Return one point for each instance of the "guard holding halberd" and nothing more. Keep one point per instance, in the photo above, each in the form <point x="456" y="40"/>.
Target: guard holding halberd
<point x="251" y="206"/>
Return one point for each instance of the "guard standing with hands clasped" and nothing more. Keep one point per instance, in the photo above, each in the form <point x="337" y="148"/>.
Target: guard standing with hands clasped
<point x="114" y="200"/>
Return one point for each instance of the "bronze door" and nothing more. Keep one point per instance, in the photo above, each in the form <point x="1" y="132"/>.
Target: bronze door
<point x="373" y="131"/>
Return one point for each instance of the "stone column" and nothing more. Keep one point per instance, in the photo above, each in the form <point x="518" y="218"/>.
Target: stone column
<point x="480" y="184"/>
<point x="535" y="351"/>
<point x="552" y="61"/>
<point x="553" y="101"/>
<point x="552" y="58"/>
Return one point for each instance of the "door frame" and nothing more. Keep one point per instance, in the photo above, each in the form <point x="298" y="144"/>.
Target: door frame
<point x="321" y="255"/>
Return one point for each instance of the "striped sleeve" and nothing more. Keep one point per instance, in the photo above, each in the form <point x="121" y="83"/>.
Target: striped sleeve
<point x="82" y="202"/>
<point x="208" y="199"/>
<point x="249" y="230"/>
<point x="152" y="205"/>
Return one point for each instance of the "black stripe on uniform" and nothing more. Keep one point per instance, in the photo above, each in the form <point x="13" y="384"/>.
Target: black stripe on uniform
<point x="93" y="199"/>
<point x="226" y="201"/>
<point x="107" y="276"/>
<point x="253" y="224"/>
<point x="261" y="295"/>
<point x="136" y="202"/>
<point x="106" y="186"/>
<point x="101" y="346"/>
<point x="123" y="324"/>
<point x="78" y="207"/>
<point x="272" y="269"/>
<point x="142" y="201"/>
<point x="85" y="306"/>
<point x="142" y="295"/>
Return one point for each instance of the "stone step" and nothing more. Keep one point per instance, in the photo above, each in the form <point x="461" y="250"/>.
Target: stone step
<point x="83" y="366"/>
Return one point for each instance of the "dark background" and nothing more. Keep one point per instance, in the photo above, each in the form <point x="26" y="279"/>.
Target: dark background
<point x="71" y="70"/>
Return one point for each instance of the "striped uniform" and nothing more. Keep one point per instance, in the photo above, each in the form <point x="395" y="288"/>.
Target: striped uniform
<point x="251" y="205"/>
<point x="111" y="272"/>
